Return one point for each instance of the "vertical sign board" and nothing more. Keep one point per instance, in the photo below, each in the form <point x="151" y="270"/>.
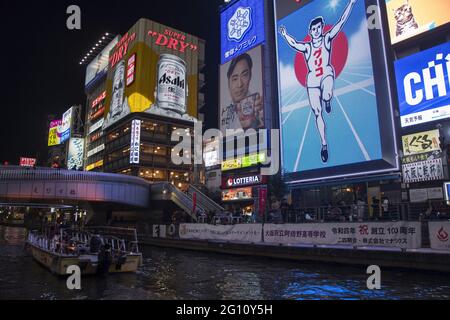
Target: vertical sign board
<point x="135" y="147"/>
<point x="242" y="28"/>
<point x="54" y="133"/>
<point x="75" y="154"/>
<point x="336" y="112"/>
<point x="66" y="126"/>
<point x="424" y="86"/>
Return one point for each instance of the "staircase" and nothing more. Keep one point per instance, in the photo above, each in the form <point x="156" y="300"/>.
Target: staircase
<point x="204" y="201"/>
<point x="165" y="191"/>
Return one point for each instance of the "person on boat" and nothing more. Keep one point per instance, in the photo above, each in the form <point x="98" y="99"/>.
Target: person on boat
<point x="96" y="244"/>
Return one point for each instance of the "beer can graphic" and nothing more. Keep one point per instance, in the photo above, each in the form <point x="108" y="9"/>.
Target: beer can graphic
<point x="171" y="88"/>
<point x="118" y="91"/>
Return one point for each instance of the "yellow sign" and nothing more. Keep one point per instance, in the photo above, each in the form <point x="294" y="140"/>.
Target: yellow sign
<point x="94" y="165"/>
<point x="232" y="164"/>
<point x="53" y="138"/>
<point x="421" y="142"/>
<point x="244" y="162"/>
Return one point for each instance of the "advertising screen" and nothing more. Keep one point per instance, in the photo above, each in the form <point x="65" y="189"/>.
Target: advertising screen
<point x="336" y="118"/>
<point x="241" y="92"/>
<point x="100" y="63"/>
<point x="54" y="134"/>
<point x="211" y="154"/>
<point x="237" y="194"/>
<point x="424" y="86"/>
<point x="408" y="18"/>
<point x="242" y="28"/>
<point x="66" y="126"/>
<point x="153" y="69"/>
<point x="76" y="154"/>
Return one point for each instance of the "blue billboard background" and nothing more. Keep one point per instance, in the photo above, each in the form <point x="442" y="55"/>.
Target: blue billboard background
<point x="427" y="71"/>
<point x="242" y="28"/>
<point x="352" y="127"/>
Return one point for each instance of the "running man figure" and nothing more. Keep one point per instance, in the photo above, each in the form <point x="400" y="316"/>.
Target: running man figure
<point x="321" y="75"/>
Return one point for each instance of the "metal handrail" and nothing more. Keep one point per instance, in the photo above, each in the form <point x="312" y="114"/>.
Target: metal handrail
<point x="204" y="199"/>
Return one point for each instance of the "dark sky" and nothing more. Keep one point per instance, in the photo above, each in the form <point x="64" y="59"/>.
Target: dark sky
<point x="41" y="74"/>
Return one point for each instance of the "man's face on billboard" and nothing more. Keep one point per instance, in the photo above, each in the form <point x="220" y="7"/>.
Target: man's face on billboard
<point x="239" y="81"/>
<point x="316" y="30"/>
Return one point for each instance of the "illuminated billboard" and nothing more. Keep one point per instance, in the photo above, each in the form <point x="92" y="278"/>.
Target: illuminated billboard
<point x="242" y="28"/>
<point x="237" y="194"/>
<point x="28" y="162"/>
<point x="211" y="154"/>
<point x="244" y="162"/>
<point x="153" y="69"/>
<point x="66" y="126"/>
<point x="99" y="65"/>
<point x="423" y="82"/>
<point x="335" y="109"/>
<point x="241" y="92"/>
<point x="408" y="18"/>
<point x="54" y="133"/>
<point x="76" y="154"/>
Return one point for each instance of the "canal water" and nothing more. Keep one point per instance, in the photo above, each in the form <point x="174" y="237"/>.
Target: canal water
<point x="174" y="274"/>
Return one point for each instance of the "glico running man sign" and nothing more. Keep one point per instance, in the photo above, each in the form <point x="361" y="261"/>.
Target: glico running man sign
<point x="335" y="109"/>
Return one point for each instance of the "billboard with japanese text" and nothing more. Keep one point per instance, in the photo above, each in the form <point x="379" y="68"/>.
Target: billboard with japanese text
<point x="336" y="114"/>
<point x="153" y="69"/>
<point x="241" y="28"/>
<point x="76" y="154"/>
<point x="423" y="82"/>
<point x="241" y="92"/>
<point x="54" y="133"/>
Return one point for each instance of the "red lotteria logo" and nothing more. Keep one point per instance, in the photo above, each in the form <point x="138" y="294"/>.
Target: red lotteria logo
<point x="230" y="182"/>
<point x="442" y="235"/>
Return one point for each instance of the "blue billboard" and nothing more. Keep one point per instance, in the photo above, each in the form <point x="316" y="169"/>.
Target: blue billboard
<point x="423" y="84"/>
<point x="335" y="119"/>
<point x="242" y="28"/>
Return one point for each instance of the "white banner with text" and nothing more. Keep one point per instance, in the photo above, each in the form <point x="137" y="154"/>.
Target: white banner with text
<point x="406" y="235"/>
<point x="241" y="232"/>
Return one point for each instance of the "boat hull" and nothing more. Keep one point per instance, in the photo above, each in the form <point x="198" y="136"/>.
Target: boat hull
<point x="58" y="264"/>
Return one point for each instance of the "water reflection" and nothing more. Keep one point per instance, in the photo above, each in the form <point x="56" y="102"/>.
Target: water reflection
<point x="174" y="274"/>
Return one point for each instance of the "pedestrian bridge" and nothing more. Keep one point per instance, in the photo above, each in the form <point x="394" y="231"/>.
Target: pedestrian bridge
<point x="18" y="185"/>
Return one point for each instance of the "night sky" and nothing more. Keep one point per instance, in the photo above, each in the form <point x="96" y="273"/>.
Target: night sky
<point x="41" y="72"/>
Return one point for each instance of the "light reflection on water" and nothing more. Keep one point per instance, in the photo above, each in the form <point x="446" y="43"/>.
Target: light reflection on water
<point x="174" y="274"/>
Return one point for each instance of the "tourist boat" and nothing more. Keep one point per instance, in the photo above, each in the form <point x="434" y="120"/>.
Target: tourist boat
<point x="116" y="250"/>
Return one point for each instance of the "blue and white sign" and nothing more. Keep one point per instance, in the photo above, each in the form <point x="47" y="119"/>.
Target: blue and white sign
<point x="424" y="86"/>
<point x="242" y="28"/>
<point x="66" y="126"/>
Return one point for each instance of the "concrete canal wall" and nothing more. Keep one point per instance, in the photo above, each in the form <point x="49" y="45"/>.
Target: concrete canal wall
<point x="236" y="241"/>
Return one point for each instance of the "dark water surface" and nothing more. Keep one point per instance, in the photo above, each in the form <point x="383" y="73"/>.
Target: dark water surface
<point x="175" y="274"/>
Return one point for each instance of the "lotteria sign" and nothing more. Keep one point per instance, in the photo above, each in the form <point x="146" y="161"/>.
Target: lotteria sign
<point x="242" y="181"/>
<point x="242" y="28"/>
<point x="424" y="86"/>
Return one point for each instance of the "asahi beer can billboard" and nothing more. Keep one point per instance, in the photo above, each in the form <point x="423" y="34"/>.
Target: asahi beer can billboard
<point x="172" y="86"/>
<point x="153" y="69"/>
